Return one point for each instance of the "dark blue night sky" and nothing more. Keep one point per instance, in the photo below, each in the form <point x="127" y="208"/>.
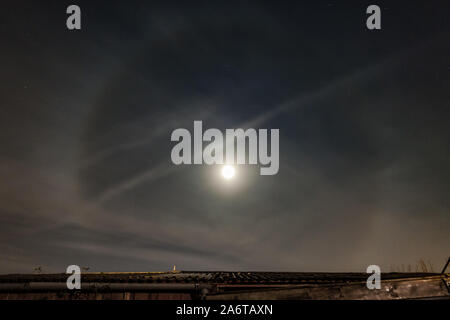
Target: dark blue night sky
<point x="86" y="118"/>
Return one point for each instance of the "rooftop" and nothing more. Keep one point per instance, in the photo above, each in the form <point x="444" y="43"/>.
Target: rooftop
<point x="225" y="285"/>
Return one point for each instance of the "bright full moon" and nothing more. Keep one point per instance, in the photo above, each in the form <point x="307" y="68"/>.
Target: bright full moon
<point x="228" y="172"/>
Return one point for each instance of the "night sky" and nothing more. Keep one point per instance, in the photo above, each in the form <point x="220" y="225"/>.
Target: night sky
<point x="86" y="117"/>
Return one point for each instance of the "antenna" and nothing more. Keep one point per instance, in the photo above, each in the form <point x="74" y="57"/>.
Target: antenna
<point x="446" y="265"/>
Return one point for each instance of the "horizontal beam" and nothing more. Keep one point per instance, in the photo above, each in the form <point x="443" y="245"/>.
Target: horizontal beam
<point x="104" y="287"/>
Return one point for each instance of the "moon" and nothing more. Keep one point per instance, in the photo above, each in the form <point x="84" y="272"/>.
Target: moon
<point x="228" y="172"/>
